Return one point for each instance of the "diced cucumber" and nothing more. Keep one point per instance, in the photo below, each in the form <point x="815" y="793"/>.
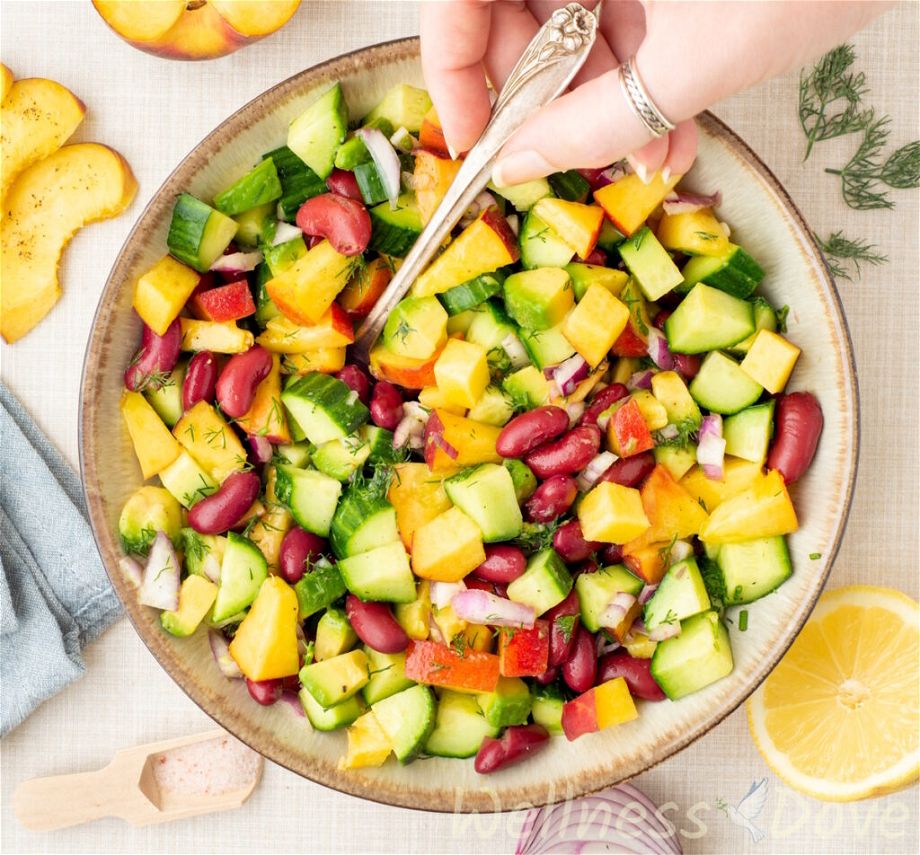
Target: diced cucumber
<point x="187" y="480"/>
<point x="167" y="398"/>
<point x="748" y="433"/>
<point x="335" y="717"/>
<point x="416" y="327"/>
<point x="341" y="458"/>
<point x="523" y="196"/>
<point x="546" y="582"/>
<point x="735" y="272"/>
<point x="460" y="323"/>
<point x="351" y="152"/>
<point x="387" y="675"/>
<point x="722" y="387"/>
<point x="336" y="679"/>
<point x="380" y="574"/>
<point x="470" y="294"/>
<point x="570" y="185"/>
<point x="546" y="347"/>
<point x="596" y="590"/>
<point x="319" y="588"/>
<point x="547" y="707"/>
<point x="650" y="264"/>
<point x="583" y="275"/>
<point x="494" y="407"/>
<point x="265" y="306"/>
<point x="198" y="234"/>
<point x="393" y="232"/>
<point x="297" y="454"/>
<point x="677" y="459"/>
<point x="541" y="246"/>
<point x="610" y="237"/>
<point x="334" y="635"/>
<point x="699" y="656"/>
<point x="680" y="595"/>
<point x="259" y="186"/>
<point x="753" y="568"/>
<point x="242" y="572"/>
<point x="528" y="388"/>
<point x="764" y="319"/>
<point x="525" y="482"/>
<point x="708" y="319"/>
<point x="363" y="521"/>
<point x="256" y="227"/>
<point x="298" y="182"/>
<point x="315" y="135"/>
<point x="310" y="496"/>
<point x="323" y="407"/>
<point x="490" y="325"/>
<point x="403" y="106"/>
<point x="459" y="727"/>
<point x="407" y="718"/>
<point x="539" y="299"/>
<point x="509" y="704"/>
<point x="370" y="183"/>
<point x="486" y="495"/>
<point x="281" y="256"/>
<point x="380" y="444"/>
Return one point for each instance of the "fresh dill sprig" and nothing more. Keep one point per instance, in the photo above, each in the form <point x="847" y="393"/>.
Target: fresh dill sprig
<point x="902" y="169"/>
<point x="842" y="253"/>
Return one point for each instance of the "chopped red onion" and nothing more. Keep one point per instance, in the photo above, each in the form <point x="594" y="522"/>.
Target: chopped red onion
<point x="637" y="628"/>
<point x="160" y="587"/>
<point x="285" y="232"/>
<point x="640" y="380"/>
<point x="646" y="593"/>
<point x="483" y="201"/>
<point x="669" y="431"/>
<point x="434" y="631"/>
<point x="680" y="550"/>
<point x="261" y="448"/>
<point x="617" y="609"/>
<point x="441" y="593"/>
<point x="238" y="262"/>
<point x="411" y="428"/>
<point x="132" y="570"/>
<point x="710" y="453"/>
<point x="681" y="202"/>
<point x="220" y="650"/>
<point x="665" y="631"/>
<point x="444" y="445"/>
<point x="385" y="159"/>
<point x="604" y="419"/>
<point x="512" y="346"/>
<point x="403" y="140"/>
<point x="482" y="607"/>
<point x="570" y="373"/>
<point x="514" y="223"/>
<point x="604" y="644"/>
<point x="575" y="411"/>
<point x="658" y="349"/>
<point x="210" y="566"/>
<point x="596" y="467"/>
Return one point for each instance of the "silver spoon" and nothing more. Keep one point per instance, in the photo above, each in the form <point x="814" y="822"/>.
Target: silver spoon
<point x="547" y="66"/>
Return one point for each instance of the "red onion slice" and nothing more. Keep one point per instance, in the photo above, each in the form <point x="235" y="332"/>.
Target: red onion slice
<point x="640" y="380"/>
<point x="604" y="644"/>
<point x="484" y="608"/>
<point x="680" y="550"/>
<point x="592" y="472"/>
<point x="665" y="631"/>
<point x="575" y="411"/>
<point x="238" y="262"/>
<point x="220" y="650"/>
<point x="710" y="453"/>
<point x="681" y="202"/>
<point x="285" y="232"/>
<point x="481" y="203"/>
<point x="442" y="593"/>
<point x="658" y="349"/>
<point x="261" y="448"/>
<point x="132" y="571"/>
<point x="570" y="373"/>
<point x="385" y="159"/>
<point x="160" y="587"/>
<point x="617" y="609"/>
<point x="646" y="593"/>
<point x="511" y="344"/>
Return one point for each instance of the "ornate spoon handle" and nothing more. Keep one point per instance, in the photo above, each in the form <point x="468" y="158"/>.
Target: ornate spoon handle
<point x="551" y="60"/>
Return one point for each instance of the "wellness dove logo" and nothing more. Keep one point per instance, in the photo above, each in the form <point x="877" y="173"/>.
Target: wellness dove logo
<point x="748" y="809"/>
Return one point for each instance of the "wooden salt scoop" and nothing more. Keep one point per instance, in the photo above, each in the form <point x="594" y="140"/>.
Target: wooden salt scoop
<point x="157" y="782"/>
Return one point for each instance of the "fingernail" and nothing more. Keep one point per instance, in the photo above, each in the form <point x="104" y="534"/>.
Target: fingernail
<point x="452" y="152"/>
<point x="666" y="174"/>
<point x="519" y="167"/>
<point x="639" y="168"/>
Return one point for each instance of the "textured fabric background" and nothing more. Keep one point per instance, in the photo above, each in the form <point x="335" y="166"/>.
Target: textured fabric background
<point x="154" y="111"/>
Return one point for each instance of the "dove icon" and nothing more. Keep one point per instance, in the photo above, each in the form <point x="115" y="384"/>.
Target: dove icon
<point x="748" y="809"/>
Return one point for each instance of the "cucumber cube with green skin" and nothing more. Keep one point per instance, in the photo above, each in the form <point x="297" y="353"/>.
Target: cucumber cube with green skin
<point x="752" y="569"/>
<point x="149" y="510"/>
<point x="596" y="590"/>
<point x="416" y="327"/>
<point x="362" y="522"/>
<point x="381" y="574"/>
<point x="279" y="258"/>
<point x="735" y="272"/>
<point x="570" y="185"/>
<point x="708" y="319"/>
<point x="747" y="434"/>
<point x="764" y="319"/>
<point x="315" y="135"/>
<point x="585" y="275"/>
<point x="541" y="246"/>
<point x="187" y="480"/>
<point x="525" y="482"/>
<point x="310" y="496"/>
<point x="335" y="680"/>
<point x="722" y="387"/>
<point x="265" y="306"/>
<point x="546" y="347"/>
<point x="297" y="454"/>
<point x="198" y="234"/>
<point x="323" y="407"/>
<point x="524" y="196"/>
<point x="672" y="393"/>
<point x="403" y="106"/>
<point x="547" y="707"/>
<point x="610" y="237"/>
<point x="351" y="153"/>
<point x="393" y="232"/>
<point x="341" y="458"/>
<point x="494" y="407"/>
<point x="649" y="263"/>
<point x="681" y="594"/>
<point x="257" y="187"/>
<point x="298" y="182"/>
<point x="335" y="717"/>
<point x="319" y="589"/>
<point x="460" y="727"/>
<point x="509" y="704"/>
<point x="490" y="325"/>
<point x="546" y="582"/>
<point x="242" y="572"/>
<point x="166" y="398"/>
<point x="370" y="183"/>
<point x="198" y="549"/>
<point x="256" y="227"/>
<point x="696" y="658"/>
<point x="387" y="675"/>
<point x="468" y="295"/>
<point x="539" y="299"/>
<point x="334" y="635"/>
<point x="486" y="495"/>
<point x="380" y="445"/>
<point x="408" y="719"/>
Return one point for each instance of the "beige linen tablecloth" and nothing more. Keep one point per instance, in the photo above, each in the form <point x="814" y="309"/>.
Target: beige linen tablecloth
<point x="155" y="111"/>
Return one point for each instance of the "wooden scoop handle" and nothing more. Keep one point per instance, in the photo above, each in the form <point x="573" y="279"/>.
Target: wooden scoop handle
<point x="59" y="801"/>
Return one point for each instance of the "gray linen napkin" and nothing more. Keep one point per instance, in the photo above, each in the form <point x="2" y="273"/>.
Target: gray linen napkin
<point x="55" y="596"/>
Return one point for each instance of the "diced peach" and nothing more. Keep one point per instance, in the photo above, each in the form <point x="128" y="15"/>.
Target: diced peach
<point x="447" y="548"/>
<point x="418" y="497"/>
<point x="629" y="202"/>
<point x="577" y="224"/>
<point x="595" y="323"/>
<point x="365" y="287"/>
<point x="432" y="178"/>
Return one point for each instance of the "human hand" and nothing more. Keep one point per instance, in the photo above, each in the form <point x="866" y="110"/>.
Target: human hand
<point x="688" y="54"/>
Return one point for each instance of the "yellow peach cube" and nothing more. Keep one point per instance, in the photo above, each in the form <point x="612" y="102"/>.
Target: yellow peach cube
<point x="162" y="291"/>
<point x="611" y="513"/>
<point x="155" y="447"/>
<point x="462" y="372"/>
<point x="770" y="361"/>
<point x="577" y="224"/>
<point x="613" y="703"/>
<point x="762" y="510"/>
<point x="595" y="324"/>
<point x="447" y="548"/>
<point x="434" y="399"/>
<point x="368" y="744"/>
<point x="653" y="411"/>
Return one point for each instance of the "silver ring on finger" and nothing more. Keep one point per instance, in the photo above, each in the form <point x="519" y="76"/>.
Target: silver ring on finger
<point x="640" y="102"/>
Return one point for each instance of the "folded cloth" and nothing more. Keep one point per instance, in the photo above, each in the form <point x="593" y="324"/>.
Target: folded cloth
<point x="55" y="596"/>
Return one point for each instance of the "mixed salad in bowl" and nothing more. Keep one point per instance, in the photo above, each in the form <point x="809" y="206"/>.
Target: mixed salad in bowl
<point x="570" y="453"/>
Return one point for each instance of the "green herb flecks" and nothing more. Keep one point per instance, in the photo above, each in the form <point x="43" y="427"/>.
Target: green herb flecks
<point x="743" y="620"/>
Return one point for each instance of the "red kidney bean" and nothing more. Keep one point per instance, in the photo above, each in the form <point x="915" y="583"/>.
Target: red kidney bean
<point x="596" y="256"/>
<point x="503" y="564"/>
<point x="265" y="692"/>
<point x="688" y="364"/>
<point x="607" y="396"/>
<point x="222" y="510"/>
<point x="297" y="547"/>
<point x="530" y="430"/>
<point x="660" y="318"/>
<point x="580" y="670"/>
<point x="200" y="381"/>
<point x="236" y="386"/>
<point x="563" y="620"/>
<point x="356" y="380"/>
<point x="569" y="541"/>
<point x="636" y="672"/>
<point x="630" y="471"/>
<point x="516" y="743"/>
<point x="568" y="454"/>
<point x="586" y="567"/>
<point x="375" y="625"/>
<point x="386" y="405"/>
<point x="343" y="221"/>
<point x="547" y="677"/>
<point x="158" y="354"/>
<point x="799" y="422"/>
<point x="612" y="554"/>
<point x="345" y="184"/>
<point x="551" y="499"/>
<point x="291" y="683"/>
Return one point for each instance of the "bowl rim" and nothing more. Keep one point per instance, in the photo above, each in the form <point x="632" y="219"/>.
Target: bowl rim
<point x="544" y="793"/>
